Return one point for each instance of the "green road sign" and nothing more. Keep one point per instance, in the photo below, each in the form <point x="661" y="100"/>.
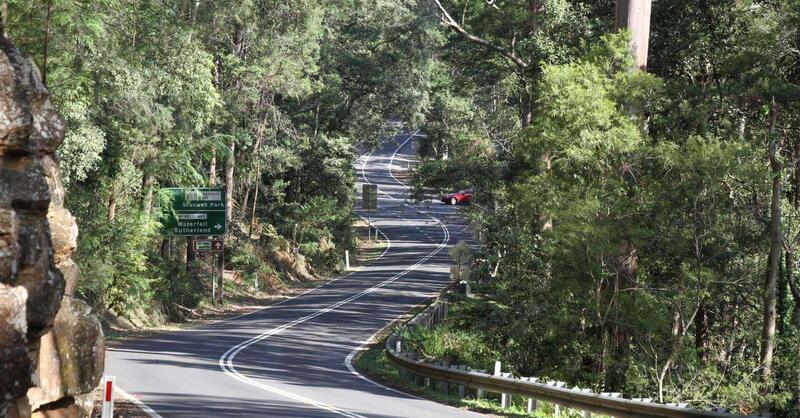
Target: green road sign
<point x="194" y="211"/>
<point x="210" y="244"/>
<point x="202" y="245"/>
<point x="369" y="196"/>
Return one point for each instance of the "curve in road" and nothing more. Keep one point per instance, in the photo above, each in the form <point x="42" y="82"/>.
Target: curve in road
<point x="292" y="359"/>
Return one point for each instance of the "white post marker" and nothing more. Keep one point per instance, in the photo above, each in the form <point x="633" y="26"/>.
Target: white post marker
<point x="108" y="397"/>
<point x="505" y="399"/>
<point x="481" y="392"/>
<point x="498" y="371"/>
<point x="346" y="260"/>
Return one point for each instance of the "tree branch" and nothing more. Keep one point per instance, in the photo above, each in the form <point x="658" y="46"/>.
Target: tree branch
<point x="449" y="21"/>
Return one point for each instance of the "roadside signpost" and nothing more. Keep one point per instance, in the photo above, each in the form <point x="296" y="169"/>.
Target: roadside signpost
<point x="369" y="196"/>
<point x="198" y="213"/>
<point x="369" y="201"/>
<point x="461" y="254"/>
<point x="208" y="244"/>
<point x="202" y="245"/>
<point x="107" y="410"/>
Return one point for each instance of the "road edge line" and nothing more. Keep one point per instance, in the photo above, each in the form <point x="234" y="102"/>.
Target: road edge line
<point x="348" y="361"/>
<point x="141" y="405"/>
<point x="226" y="360"/>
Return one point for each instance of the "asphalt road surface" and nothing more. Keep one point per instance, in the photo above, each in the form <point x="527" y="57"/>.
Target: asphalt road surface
<point x="293" y="359"/>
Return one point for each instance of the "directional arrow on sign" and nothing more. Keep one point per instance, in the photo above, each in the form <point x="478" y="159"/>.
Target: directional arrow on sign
<point x="218" y="226"/>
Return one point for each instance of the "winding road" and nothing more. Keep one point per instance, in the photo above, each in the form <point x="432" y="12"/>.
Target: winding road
<point x="292" y="359"/>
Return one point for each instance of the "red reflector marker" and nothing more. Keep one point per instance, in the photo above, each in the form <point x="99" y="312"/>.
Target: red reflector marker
<point x="108" y="397"/>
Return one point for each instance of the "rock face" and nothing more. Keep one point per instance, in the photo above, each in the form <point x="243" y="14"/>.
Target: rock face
<point x="51" y="346"/>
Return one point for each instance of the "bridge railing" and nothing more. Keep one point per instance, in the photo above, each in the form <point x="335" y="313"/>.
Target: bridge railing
<point x="444" y="376"/>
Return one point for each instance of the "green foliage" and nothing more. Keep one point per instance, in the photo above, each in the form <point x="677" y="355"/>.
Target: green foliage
<point x="625" y="227"/>
<point x="115" y="272"/>
<point x="625" y="215"/>
<point x="176" y="93"/>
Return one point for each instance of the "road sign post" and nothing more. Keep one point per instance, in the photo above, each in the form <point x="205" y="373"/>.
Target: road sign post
<point x="198" y="212"/>
<point x="108" y="397"/>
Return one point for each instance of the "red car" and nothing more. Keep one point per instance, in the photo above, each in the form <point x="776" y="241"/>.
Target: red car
<point x="458" y="198"/>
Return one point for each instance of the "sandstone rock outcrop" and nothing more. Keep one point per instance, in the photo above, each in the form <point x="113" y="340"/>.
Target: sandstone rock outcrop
<point x="51" y="345"/>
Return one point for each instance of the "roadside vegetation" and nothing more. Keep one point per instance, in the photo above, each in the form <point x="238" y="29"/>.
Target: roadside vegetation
<point x="266" y="98"/>
<point x="373" y="363"/>
<point x="639" y="229"/>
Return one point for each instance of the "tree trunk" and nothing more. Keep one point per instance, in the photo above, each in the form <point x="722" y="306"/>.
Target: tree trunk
<point x="181" y="251"/>
<point x="246" y="199"/>
<point x="535" y="8"/>
<point x="701" y="342"/>
<point x="678" y="333"/>
<point x="194" y="12"/>
<point x="46" y="41"/>
<point x="191" y="255"/>
<point x="316" y="119"/>
<point x="796" y="178"/>
<point x="147" y="196"/>
<point x="634" y="15"/>
<point x="679" y="330"/>
<point x="775" y="248"/>
<point x="220" y="276"/>
<point x="794" y="287"/>
<point x="526" y="109"/>
<point x="256" y="177"/>
<point x="112" y="205"/>
<point x="229" y="166"/>
<point x="3" y="17"/>
<point x="212" y="168"/>
<point x="255" y="202"/>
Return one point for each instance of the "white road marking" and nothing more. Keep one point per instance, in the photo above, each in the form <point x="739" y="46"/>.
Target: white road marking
<point x="153" y="414"/>
<point x="146" y="409"/>
<point x="348" y="361"/>
<point x="226" y="360"/>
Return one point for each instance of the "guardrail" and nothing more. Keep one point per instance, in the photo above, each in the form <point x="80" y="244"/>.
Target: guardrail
<point x="437" y="373"/>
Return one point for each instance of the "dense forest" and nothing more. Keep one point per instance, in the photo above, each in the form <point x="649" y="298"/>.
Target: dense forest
<point x="266" y="98"/>
<point x="640" y="229"/>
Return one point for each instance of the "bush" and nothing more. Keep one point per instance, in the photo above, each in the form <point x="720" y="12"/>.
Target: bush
<point x="116" y="274"/>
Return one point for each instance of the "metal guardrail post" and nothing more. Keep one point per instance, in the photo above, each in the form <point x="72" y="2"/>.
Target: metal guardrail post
<point x="420" y="380"/>
<point x="462" y="390"/>
<point x="481" y="392"/>
<point x="498" y="372"/>
<point x="505" y="398"/>
<point x="531" y="405"/>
